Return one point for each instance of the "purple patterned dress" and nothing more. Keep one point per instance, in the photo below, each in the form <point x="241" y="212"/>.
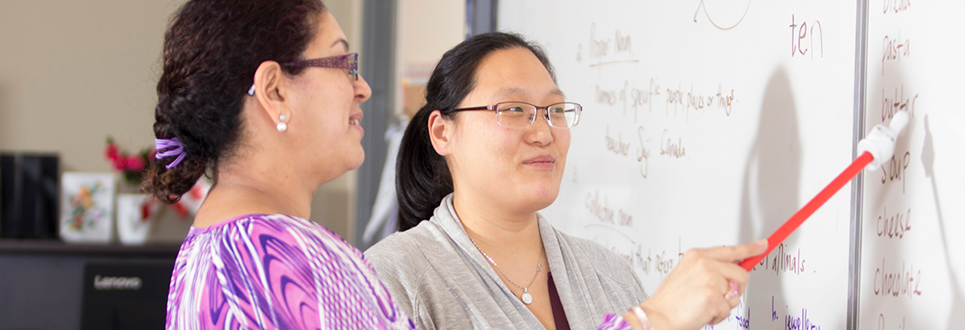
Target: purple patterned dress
<point x="276" y="272"/>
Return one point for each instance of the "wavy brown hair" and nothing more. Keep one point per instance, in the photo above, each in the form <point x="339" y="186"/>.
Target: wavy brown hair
<point x="212" y="49"/>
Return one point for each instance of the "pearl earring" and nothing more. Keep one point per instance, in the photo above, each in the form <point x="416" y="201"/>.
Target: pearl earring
<point x="251" y="91"/>
<point x="281" y="127"/>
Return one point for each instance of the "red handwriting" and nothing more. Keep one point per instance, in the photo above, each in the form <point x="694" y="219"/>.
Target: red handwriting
<point x="616" y="145"/>
<point x="896" y="169"/>
<point x="894" y="49"/>
<point x="904" y="282"/>
<point x="669" y="148"/>
<point x="604" y="213"/>
<point x="896" y="6"/>
<point x="882" y="325"/>
<point x="800" y="33"/>
<point x="893" y="225"/>
<point x="890" y="106"/>
<point x="643" y="154"/>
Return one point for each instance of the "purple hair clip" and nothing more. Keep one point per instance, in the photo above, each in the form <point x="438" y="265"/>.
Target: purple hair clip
<point x="175" y="148"/>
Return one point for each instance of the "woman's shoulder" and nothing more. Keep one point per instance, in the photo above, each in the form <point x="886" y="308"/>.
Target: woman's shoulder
<point x="404" y="262"/>
<point x="604" y="260"/>
<point x="240" y="258"/>
<point x="410" y="248"/>
<point x="587" y="247"/>
<point x="263" y="234"/>
<point x="264" y="222"/>
<point x="607" y="265"/>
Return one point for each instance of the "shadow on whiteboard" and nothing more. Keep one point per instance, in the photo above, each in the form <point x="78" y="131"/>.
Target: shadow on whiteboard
<point x="770" y="190"/>
<point x="928" y="160"/>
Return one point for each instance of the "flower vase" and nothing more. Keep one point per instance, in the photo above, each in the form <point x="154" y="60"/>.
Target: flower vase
<point x="135" y="217"/>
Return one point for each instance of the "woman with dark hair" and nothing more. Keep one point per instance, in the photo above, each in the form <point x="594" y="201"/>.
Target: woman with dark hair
<point x="263" y="95"/>
<point x="477" y="162"/>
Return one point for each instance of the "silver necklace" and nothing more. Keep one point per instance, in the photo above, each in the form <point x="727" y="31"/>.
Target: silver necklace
<point x="525" y="297"/>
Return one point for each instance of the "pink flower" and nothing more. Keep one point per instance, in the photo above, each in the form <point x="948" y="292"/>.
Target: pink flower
<point x="111" y="151"/>
<point x="120" y="163"/>
<point x="135" y="163"/>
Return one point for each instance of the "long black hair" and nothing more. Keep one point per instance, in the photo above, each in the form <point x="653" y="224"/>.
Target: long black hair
<point x="422" y="176"/>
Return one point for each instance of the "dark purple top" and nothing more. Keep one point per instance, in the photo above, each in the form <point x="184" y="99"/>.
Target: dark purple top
<point x="559" y="316"/>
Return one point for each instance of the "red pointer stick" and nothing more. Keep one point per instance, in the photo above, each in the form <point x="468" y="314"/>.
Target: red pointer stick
<point x="798" y="218"/>
<point x="875" y="149"/>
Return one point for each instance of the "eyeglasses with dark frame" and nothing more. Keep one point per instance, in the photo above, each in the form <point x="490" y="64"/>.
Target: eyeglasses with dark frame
<point x="348" y="62"/>
<point x="516" y="114"/>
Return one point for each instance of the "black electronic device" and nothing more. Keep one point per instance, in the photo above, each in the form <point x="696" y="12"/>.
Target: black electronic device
<point x="29" y="189"/>
<point x="120" y="295"/>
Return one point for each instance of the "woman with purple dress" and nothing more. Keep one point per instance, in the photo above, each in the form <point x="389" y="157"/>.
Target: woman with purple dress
<point x="263" y="97"/>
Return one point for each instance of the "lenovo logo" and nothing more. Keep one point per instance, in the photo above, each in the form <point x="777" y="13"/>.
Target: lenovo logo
<point x="117" y="283"/>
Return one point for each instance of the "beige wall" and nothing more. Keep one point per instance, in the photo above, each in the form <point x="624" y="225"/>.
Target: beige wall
<point x="426" y="30"/>
<point x="73" y="72"/>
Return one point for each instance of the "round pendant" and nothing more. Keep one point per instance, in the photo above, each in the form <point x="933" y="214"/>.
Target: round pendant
<point x="527" y="298"/>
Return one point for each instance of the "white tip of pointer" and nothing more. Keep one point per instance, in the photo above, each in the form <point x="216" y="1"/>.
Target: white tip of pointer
<point x="880" y="142"/>
<point x="899" y="121"/>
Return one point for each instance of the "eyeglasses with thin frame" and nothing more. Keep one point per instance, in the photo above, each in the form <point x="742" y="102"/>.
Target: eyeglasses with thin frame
<point x="522" y="115"/>
<point x="348" y="62"/>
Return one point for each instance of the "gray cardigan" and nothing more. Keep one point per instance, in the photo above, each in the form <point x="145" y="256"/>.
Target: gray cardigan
<point x="436" y="276"/>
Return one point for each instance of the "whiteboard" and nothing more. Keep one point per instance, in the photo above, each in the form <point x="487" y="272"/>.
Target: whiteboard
<point x="912" y="254"/>
<point x="708" y="123"/>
